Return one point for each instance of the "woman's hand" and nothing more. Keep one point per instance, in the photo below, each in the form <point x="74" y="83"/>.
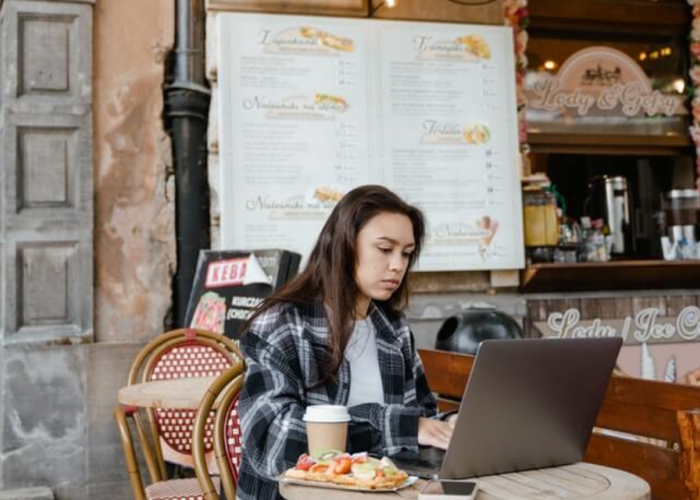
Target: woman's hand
<point x="452" y="420"/>
<point x="434" y="433"/>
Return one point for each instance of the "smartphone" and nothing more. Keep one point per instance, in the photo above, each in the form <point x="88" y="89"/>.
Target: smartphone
<point x="449" y="490"/>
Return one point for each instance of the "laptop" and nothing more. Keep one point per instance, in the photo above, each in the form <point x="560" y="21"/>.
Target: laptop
<point x="528" y="404"/>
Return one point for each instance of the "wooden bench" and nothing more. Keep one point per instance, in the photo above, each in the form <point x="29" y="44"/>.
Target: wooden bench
<point x="661" y="421"/>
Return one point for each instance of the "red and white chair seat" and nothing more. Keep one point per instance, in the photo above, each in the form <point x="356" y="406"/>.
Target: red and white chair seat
<point x="179" y="489"/>
<point x="186" y="360"/>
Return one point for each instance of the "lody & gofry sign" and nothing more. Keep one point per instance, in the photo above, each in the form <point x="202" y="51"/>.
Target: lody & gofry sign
<point x="600" y="81"/>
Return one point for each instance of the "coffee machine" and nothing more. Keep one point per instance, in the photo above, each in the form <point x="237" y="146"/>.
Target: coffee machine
<point x="608" y="199"/>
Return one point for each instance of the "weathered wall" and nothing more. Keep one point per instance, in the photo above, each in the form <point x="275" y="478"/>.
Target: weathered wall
<point x="134" y="211"/>
<point x="46" y="240"/>
<point x="90" y="84"/>
<point x="134" y="216"/>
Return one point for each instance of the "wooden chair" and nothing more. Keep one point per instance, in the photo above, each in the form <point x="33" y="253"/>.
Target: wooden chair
<point x="180" y="353"/>
<point x="658" y="425"/>
<point x="227" y="434"/>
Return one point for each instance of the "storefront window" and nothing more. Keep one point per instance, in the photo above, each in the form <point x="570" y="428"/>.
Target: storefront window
<point x="584" y="83"/>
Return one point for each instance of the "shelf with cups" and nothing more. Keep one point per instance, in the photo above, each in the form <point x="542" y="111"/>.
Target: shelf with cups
<point x="609" y="244"/>
<point x="611" y="275"/>
<point x="600" y="254"/>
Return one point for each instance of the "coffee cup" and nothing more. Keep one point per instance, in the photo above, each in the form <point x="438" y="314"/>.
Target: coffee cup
<point x="326" y="428"/>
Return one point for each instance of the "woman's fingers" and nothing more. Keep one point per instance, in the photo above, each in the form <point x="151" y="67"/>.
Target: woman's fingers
<point x="452" y="420"/>
<point x="434" y="433"/>
<point x="444" y="432"/>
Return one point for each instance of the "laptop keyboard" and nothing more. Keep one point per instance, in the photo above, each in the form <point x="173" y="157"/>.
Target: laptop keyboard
<point x="426" y="463"/>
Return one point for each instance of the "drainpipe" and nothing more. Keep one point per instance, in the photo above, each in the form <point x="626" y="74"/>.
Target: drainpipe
<point x="187" y="106"/>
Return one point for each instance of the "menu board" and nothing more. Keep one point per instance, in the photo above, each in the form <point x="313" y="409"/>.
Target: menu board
<point x="311" y="107"/>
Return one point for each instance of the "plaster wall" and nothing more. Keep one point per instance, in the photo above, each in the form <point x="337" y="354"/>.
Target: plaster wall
<point x="57" y="394"/>
<point x="134" y="183"/>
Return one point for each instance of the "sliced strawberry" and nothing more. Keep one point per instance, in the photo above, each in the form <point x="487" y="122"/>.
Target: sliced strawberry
<point x="342" y="465"/>
<point x="359" y="458"/>
<point x="320" y="468"/>
<point x="305" y="462"/>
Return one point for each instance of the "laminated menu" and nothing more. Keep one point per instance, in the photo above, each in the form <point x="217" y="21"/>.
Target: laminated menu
<point x="311" y="107"/>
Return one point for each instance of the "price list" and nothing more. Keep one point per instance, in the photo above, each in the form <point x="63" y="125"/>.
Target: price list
<point x="312" y="107"/>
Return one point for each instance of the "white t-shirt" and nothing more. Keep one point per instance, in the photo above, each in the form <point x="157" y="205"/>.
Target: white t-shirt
<point x="365" y="377"/>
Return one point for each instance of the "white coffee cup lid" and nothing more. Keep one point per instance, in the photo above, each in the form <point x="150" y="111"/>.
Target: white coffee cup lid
<point x="326" y="413"/>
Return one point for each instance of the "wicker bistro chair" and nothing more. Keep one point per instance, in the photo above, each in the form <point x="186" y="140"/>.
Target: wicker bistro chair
<point x="183" y="353"/>
<point x="227" y="435"/>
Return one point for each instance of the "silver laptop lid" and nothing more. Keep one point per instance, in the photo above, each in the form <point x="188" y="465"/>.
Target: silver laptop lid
<point x="529" y="404"/>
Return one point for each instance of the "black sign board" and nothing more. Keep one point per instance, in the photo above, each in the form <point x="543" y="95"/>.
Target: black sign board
<point x="230" y="284"/>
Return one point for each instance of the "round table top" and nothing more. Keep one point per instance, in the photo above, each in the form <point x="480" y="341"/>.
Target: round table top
<point x="181" y="393"/>
<point x="577" y="481"/>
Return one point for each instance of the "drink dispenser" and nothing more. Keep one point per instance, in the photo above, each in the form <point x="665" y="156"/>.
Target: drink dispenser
<point x="541" y="223"/>
<point x="609" y="200"/>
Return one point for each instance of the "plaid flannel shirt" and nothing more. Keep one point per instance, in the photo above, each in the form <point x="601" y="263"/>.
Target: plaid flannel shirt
<point x="285" y="350"/>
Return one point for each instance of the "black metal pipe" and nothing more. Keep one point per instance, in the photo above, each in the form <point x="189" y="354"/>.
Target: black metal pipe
<point x="187" y="108"/>
<point x="189" y="49"/>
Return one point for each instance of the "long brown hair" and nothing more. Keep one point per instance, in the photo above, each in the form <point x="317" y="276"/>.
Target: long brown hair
<point x="329" y="276"/>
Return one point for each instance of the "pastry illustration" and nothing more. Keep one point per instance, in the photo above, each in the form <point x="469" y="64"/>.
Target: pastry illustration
<point x="329" y="99"/>
<point x="476" y="134"/>
<point x="327" y="39"/>
<point x="338" y="43"/>
<point x="326" y="194"/>
<point x="309" y="32"/>
<point x="475" y="45"/>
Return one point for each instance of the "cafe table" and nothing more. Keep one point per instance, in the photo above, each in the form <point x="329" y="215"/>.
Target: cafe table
<point x="181" y="393"/>
<point x="572" y="482"/>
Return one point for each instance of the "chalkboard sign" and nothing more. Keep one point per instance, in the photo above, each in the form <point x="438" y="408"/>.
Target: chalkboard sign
<point x="230" y="284"/>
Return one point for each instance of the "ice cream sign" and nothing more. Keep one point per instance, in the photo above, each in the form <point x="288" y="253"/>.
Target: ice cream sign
<point x="647" y="326"/>
<point x="601" y="81"/>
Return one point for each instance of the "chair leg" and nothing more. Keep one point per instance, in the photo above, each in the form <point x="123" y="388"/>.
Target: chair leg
<point x="151" y="460"/>
<point x="228" y="486"/>
<point x="156" y="444"/>
<point x="129" y="454"/>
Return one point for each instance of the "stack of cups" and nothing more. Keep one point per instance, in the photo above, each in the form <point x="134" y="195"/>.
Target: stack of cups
<point x="326" y="427"/>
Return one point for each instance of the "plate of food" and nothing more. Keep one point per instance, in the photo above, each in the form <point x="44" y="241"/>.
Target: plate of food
<point x="336" y="470"/>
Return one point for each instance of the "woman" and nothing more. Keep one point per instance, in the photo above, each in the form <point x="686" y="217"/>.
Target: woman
<point x="336" y="335"/>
